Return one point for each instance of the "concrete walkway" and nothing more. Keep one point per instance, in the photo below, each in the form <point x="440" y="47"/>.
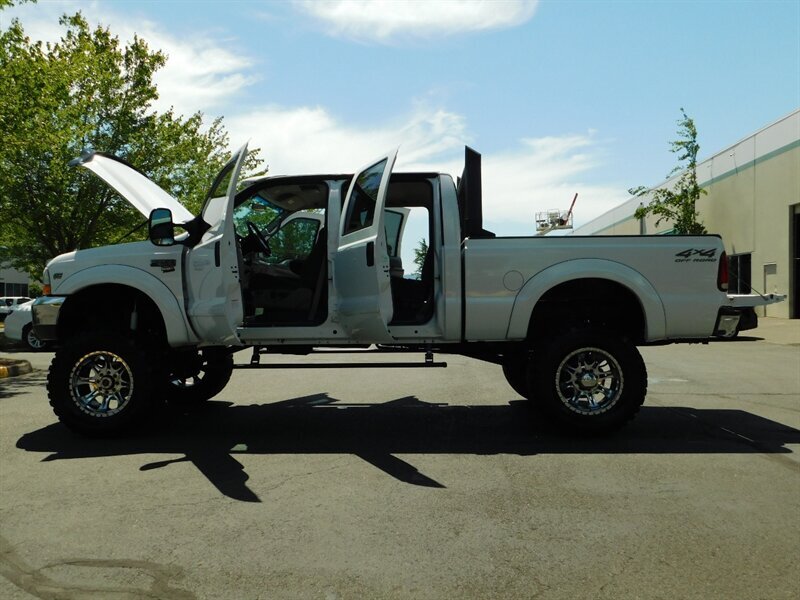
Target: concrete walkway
<point x="776" y="331"/>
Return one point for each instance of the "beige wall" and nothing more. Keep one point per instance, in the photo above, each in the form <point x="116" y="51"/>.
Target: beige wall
<point x="752" y="190"/>
<point x="750" y="208"/>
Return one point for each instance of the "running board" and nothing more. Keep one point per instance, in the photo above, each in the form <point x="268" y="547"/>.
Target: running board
<point x="255" y="363"/>
<point x="345" y="365"/>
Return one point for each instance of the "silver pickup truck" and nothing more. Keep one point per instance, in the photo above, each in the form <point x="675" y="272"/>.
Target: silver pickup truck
<point x="287" y="264"/>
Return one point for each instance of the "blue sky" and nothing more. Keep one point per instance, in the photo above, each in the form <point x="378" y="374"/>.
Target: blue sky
<point x="559" y="97"/>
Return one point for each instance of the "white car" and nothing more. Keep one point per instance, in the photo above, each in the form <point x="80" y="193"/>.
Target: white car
<point x="9" y="304"/>
<point x="18" y="326"/>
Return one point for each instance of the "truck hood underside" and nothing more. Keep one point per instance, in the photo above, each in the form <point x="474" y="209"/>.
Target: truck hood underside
<point x="132" y="185"/>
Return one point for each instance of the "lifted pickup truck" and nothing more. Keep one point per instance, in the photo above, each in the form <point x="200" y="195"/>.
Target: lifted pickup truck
<point x="290" y="263"/>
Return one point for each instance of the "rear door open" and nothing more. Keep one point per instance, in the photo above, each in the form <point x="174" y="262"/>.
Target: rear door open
<point x="362" y="267"/>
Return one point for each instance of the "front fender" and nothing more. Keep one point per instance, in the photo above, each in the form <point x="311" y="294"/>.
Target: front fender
<point x="171" y="311"/>
<point x="590" y="268"/>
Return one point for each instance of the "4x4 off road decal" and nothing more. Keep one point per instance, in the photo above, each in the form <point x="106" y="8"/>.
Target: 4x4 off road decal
<point x="696" y="255"/>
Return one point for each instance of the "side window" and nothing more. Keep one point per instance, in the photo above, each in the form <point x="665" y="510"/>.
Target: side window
<point x="392" y="223"/>
<point x="363" y="198"/>
<point x="294" y="241"/>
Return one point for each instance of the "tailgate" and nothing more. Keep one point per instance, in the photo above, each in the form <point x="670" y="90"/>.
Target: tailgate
<point x="753" y="300"/>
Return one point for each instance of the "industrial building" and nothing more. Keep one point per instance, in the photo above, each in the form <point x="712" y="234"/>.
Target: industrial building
<point x="753" y="202"/>
<point x="13" y="282"/>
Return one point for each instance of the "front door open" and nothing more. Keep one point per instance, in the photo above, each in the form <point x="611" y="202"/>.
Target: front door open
<point x="212" y="272"/>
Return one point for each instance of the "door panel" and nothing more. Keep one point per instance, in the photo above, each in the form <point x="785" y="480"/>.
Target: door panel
<point x="215" y="295"/>
<point x="362" y="266"/>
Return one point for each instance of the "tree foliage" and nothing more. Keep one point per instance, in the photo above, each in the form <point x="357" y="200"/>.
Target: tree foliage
<point x="10" y="3"/>
<point x="420" y="252"/>
<point x="678" y="204"/>
<point x="88" y="91"/>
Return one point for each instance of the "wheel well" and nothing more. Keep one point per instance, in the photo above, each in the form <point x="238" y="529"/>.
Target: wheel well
<point x="598" y="302"/>
<point x="111" y="307"/>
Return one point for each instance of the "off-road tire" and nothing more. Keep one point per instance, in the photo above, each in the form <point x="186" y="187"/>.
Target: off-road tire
<point x="100" y="384"/>
<point x="515" y="369"/>
<point x="212" y="373"/>
<point x="590" y="380"/>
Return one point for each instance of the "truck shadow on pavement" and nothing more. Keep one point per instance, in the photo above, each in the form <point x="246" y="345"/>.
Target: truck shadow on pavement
<point x="211" y="435"/>
<point x="31" y="382"/>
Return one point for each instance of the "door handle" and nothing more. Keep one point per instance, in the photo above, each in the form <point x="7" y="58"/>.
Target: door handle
<point x="370" y="254"/>
<point x="217" y="261"/>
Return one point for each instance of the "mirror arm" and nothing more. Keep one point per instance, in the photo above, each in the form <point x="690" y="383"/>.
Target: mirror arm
<point x="195" y="228"/>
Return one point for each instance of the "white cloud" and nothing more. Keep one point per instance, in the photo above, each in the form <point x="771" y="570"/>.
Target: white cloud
<point x="536" y="175"/>
<point x="200" y="73"/>
<point x="386" y="20"/>
<point x="310" y="140"/>
<point x="533" y="175"/>
<point x="543" y="174"/>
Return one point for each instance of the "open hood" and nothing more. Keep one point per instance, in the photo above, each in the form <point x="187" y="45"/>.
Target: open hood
<point x="132" y="185"/>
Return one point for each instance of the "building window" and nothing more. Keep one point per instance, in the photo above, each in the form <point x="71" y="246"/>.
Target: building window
<point x="740" y="274"/>
<point x="16" y="289"/>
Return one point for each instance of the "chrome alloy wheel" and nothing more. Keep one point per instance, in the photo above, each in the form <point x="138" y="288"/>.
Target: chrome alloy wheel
<point x="33" y="342"/>
<point x="101" y="383"/>
<point x="589" y="381"/>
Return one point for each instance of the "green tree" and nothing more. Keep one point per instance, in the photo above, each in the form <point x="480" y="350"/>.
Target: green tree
<point x="678" y="204"/>
<point x="9" y="3"/>
<point x="88" y="91"/>
<point x="420" y="252"/>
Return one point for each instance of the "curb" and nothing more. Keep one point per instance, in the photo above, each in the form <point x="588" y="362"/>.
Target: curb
<point x="12" y="368"/>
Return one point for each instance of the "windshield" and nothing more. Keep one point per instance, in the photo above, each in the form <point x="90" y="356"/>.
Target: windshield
<point x="259" y="211"/>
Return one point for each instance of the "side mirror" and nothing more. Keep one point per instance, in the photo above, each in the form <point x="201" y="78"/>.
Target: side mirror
<point x="161" y="228"/>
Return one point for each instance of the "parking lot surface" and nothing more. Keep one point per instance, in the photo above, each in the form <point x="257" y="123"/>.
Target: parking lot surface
<point x="415" y="483"/>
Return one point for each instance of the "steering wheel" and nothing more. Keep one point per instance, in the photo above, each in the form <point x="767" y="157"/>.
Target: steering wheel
<point x="262" y="241"/>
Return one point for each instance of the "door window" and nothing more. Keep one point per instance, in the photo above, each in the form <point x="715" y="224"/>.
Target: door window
<point x="392" y="223"/>
<point x="294" y="240"/>
<point x="363" y="197"/>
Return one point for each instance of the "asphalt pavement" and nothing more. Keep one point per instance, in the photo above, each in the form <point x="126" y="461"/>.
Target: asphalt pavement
<point x="416" y="483"/>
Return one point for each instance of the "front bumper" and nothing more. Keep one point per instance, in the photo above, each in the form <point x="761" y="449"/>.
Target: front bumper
<point x="45" y="317"/>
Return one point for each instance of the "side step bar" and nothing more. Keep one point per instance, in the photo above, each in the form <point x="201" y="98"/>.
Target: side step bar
<point x="255" y="363"/>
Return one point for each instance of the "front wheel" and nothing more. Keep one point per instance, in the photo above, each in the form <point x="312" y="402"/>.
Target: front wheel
<point x="515" y="369"/>
<point x="30" y="339"/>
<point x="100" y="384"/>
<point x="590" y="380"/>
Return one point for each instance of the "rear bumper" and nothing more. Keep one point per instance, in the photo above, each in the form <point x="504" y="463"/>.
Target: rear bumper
<point x="727" y="324"/>
<point x="739" y="314"/>
<point x="45" y="317"/>
<point x="731" y="321"/>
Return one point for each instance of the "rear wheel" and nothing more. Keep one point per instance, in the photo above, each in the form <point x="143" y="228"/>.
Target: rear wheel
<point x="590" y="380"/>
<point x="100" y="384"/>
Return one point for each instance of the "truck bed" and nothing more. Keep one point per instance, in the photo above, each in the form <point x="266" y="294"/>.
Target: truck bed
<point x="674" y="279"/>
